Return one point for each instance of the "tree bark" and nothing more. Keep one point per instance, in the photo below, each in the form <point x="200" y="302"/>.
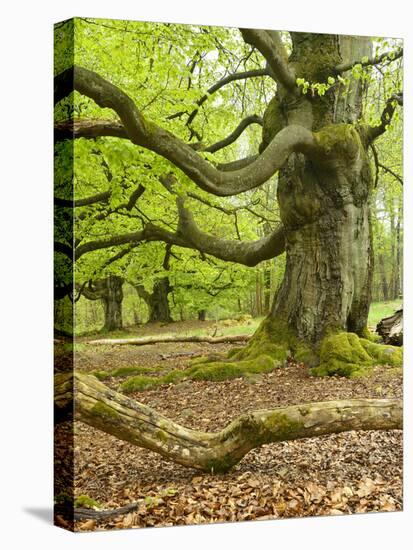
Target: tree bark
<point x="110" y="291"/>
<point x="164" y="339"/>
<point x="109" y="411"/>
<point x="384" y="283"/>
<point x="157" y="300"/>
<point x="112" y="303"/>
<point x="391" y="329"/>
<point x="159" y="303"/>
<point x="324" y="197"/>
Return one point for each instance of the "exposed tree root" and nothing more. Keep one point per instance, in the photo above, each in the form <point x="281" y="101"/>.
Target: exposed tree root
<point x="116" y="414"/>
<point x="346" y="354"/>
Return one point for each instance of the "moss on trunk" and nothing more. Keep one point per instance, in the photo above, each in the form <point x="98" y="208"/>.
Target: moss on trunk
<point x="346" y="354"/>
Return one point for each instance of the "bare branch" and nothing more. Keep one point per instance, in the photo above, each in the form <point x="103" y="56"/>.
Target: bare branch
<point x="127" y="419"/>
<point x="236" y="164"/>
<point x="389" y="171"/>
<point x="88" y="128"/>
<point x="99" y="197"/>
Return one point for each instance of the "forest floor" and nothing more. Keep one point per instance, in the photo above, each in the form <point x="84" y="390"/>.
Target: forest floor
<point x="353" y="472"/>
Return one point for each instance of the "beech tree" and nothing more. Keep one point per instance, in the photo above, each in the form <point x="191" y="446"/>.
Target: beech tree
<point x="109" y="290"/>
<point x="314" y="136"/>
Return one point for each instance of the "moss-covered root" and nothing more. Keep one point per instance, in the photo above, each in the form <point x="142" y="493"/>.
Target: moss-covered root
<point x="215" y="371"/>
<point x="273" y="338"/>
<point x="346" y="354"/>
<point x="268" y="350"/>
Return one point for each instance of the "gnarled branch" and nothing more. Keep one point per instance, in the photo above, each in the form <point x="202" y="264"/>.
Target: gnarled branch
<point x="188" y="235"/>
<point x="217" y="86"/>
<point x="374" y="132"/>
<point x="127" y="419"/>
<point x="247" y="253"/>
<point x="145" y="133"/>
<point x="247" y="121"/>
<point x="270" y="45"/>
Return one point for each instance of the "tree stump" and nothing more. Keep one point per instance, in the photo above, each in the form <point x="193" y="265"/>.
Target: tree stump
<point x="391" y="328"/>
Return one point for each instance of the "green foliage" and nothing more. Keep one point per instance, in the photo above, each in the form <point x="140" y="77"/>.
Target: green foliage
<point x="166" y="69"/>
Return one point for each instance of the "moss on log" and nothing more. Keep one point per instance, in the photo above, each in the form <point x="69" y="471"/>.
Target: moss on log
<point x="118" y="415"/>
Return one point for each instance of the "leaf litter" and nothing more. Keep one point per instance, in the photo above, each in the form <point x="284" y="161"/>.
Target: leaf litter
<point x="348" y="473"/>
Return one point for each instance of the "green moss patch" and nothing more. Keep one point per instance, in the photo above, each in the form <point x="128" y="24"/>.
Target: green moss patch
<point x="140" y="383"/>
<point x="345" y="354"/>
<point x="84" y="501"/>
<point x="273" y="338"/>
<point x="214" y="371"/>
<point x="101" y="409"/>
<point x="121" y="372"/>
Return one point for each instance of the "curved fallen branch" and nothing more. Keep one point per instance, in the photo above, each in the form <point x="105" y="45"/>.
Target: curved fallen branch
<point x="127" y="419"/>
<point x="165" y="339"/>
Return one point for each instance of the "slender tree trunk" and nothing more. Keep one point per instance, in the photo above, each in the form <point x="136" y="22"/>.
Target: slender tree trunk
<point x="397" y="264"/>
<point x="267" y="290"/>
<point x="393" y="252"/>
<point x="112" y="303"/>
<point x="384" y="283"/>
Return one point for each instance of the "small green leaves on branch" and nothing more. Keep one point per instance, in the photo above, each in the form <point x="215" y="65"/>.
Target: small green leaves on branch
<point x="369" y="61"/>
<point x="315" y="88"/>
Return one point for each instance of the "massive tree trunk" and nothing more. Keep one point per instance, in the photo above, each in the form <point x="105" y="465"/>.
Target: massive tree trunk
<point x="324" y="201"/>
<point x="114" y="413"/>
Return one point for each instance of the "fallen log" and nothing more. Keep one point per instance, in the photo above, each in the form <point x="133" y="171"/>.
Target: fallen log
<point x="165" y="356"/>
<point x="87" y="513"/>
<point x="391" y="328"/>
<point x="165" y="339"/>
<point x="127" y="419"/>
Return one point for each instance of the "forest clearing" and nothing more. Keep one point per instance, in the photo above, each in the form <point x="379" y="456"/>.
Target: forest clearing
<point x="352" y="472"/>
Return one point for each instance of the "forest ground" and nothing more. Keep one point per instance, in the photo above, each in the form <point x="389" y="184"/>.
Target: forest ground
<point x="353" y="472"/>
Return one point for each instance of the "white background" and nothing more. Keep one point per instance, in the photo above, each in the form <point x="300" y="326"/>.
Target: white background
<point x="26" y="272"/>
